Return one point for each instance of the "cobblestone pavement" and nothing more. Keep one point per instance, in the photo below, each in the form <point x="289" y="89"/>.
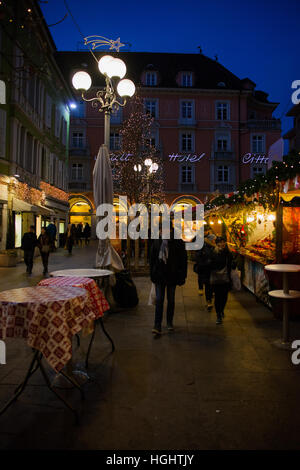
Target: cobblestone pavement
<point x="201" y="387"/>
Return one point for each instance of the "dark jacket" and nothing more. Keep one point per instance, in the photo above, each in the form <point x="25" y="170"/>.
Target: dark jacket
<point x="44" y="243"/>
<point x="174" y="272"/>
<point x="29" y="241"/>
<point x="203" y="262"/>
<point x="222" y="259"/>
<point x="87" y="231"/>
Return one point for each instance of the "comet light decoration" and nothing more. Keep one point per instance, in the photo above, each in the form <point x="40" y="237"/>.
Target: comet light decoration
<point x="97" y="41"/>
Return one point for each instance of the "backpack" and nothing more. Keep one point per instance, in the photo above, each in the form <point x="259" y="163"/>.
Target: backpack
<point x="124" y="291"/>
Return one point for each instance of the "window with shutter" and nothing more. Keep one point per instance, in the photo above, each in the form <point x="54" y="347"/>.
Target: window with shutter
<point x="2" y="132"/>
<point x="48" y="115"/>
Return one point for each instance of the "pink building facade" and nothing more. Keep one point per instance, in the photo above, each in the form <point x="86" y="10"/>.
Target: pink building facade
<point x="212" y="129"/>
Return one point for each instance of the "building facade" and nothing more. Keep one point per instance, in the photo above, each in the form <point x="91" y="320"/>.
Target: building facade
<point x="34" y="125"/>
<point x="212" y="129"/>
<point x="293" y="135"/>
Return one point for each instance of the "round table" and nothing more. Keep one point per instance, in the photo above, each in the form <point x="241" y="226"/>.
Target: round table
<point x="97" y="300"/>
<point x="92" y="273"/>
<point x="47" y="318"/>
<point x="285" y="294"/>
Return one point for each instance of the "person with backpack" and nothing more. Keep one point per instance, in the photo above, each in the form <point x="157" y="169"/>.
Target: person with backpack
<point x="168" y="269"/>
<point x="202" y="268"/>
<point x="220" y="277"/>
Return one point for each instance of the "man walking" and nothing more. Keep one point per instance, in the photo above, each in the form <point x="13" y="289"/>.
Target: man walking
<point x="29" y="242"/>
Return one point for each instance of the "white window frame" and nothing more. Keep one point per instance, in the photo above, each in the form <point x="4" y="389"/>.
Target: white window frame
<point x="77" y="175"/>
<point x="254" y="147"/>
<point x="222" y="105"/>
<point x="255" y="173"/>
<point x="151" y="107"/>
<point x="223" y="170"/>
<point x="115" y="140"/>
<point x="192" y="140"/>
<point x="186" y="79"/>
<point x="222" y="136"/>
<point x="80" y="137"/>
<point x="187" y="169"/>
<point x="189" y="104"/>
<point x="151" y="79"/>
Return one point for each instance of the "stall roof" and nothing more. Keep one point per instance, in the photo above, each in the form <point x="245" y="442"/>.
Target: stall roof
<point x="287" y="197"/>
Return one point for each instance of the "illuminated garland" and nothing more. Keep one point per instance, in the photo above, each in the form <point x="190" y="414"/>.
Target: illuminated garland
<point x="54" y="192"/>
<point x="25" y="193"/>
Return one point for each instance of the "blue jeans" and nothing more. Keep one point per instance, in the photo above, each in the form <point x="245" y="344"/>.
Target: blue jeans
<point x="159" y="307"/>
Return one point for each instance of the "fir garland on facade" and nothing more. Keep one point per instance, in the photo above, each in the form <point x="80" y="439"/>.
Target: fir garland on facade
<point x="264" y="188"/>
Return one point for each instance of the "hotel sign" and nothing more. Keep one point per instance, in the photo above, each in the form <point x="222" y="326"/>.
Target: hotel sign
<point x="175" y="157"/>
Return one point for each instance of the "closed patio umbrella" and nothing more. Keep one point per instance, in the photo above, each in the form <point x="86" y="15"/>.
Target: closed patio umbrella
<point x="103" y="194"/>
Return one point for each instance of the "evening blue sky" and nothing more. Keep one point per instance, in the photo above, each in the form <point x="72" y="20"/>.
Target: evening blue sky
<point x="255" y="39"/>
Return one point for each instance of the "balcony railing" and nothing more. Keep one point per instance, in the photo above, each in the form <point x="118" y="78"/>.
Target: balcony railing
<point x="224" y="187"/>
<point x="271" y="124"/>
<point x="224" y="155"/>
<point x="187" y="187"/>
<point x="187" y="122"/>
<point x="79" y="185"/>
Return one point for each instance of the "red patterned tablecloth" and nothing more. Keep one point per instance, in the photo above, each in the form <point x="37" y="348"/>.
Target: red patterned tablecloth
<point x="47" y="318"/>
<point x="97" y="299"/>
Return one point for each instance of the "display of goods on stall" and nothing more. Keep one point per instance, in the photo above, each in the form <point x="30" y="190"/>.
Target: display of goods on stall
<point x="262" y="251"/>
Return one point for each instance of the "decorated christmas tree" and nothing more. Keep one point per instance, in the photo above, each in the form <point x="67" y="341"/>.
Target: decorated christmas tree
<point x="137" y="166"/>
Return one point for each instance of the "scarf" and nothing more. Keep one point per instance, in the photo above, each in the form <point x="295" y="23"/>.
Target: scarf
<point x="164" y="251"/>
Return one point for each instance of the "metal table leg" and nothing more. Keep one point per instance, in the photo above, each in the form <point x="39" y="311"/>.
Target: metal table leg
<point x="98" y="321"/>
<point x="22" y="386"/>
<point x="36" y="364"/>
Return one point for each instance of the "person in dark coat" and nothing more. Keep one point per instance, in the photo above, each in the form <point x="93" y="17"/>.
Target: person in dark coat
<point x="79" y="234"/>
<point x="44" y="244"/>
<point x="221" y="265"/>
<point x="87" y="233"/>
<point x="51" y="232"/>
<point x="29" y="242"/>
<point x="203" y="267"/>
<point x="168" y="268"/>
<point x="70" y="237"/>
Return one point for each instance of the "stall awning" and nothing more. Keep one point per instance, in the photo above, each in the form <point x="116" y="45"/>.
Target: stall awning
<point x="289" y="196"/>
<point x="22" y="206"/>
<point x="45" y="210"/>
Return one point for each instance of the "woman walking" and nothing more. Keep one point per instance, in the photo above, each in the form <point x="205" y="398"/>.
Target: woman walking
<point x="44" y="244"/>
<point x="221" y="266"/>
<point x="203" y="268"/>
<point x="168" y="269"/>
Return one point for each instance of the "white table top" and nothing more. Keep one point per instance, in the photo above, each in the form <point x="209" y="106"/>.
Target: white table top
<point x="82" y="273"/>
<point x="283" y="268"/>
<point x="280" y="294"/>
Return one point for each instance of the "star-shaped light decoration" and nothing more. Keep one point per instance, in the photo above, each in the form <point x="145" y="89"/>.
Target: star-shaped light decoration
<point x="98" y="41"/>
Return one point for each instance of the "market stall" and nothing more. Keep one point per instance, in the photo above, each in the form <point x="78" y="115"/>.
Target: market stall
<point x="262" y="228"/>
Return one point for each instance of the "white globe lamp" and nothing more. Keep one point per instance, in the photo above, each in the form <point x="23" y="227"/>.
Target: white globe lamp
<point x="81" y="81"/>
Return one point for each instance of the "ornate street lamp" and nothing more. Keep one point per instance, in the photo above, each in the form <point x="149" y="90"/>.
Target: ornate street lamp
<point x="113" y="95"/>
